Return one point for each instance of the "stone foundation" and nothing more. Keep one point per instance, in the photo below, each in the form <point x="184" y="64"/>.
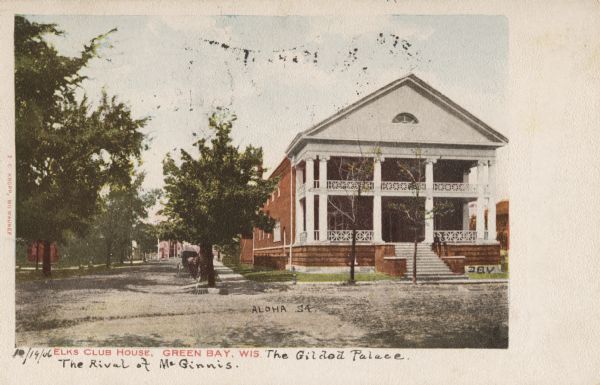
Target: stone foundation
<point x="484" y="254"/>
<point x="456" y="264"/>
<point x="272" y="262"/>
<point x="337" y="255"/>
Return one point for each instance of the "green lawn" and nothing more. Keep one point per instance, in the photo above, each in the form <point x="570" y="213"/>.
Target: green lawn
<point x="267" y="275"/>
<point x="487" y="276"/>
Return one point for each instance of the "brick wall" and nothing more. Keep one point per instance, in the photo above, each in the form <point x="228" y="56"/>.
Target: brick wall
<point x="386" y="262"/>
<point x="278" y="208"/>
<point x="337" y="255"/>
<point x="476" y="254"/>
<point x="246" y="250"/>
<point x="273" y="262"/>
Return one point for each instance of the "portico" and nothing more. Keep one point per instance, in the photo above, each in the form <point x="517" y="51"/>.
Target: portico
<point x="316" y="219"/>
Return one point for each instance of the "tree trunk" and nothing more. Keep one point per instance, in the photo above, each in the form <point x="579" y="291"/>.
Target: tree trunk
<point x="46" y="266"/>
<point x="353" y="255"/>
<point x="414" y="272"/>
<point x="37" y="256"/>
<point x="206" y="251"/>
<point x="108" y="253"/>
<point x="203" y="263"/>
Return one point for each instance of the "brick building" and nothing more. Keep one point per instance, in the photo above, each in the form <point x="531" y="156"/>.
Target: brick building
<point x="386" y="127"/>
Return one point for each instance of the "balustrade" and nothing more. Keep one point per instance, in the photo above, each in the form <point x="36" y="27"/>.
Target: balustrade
<point x="346" y="235"/>
<point x="455" y="187"/>
<point x="402" y="186"/>
<point x="349" y="185"/>
<point x="303" y="236"/>
<point x="456" y="236"/>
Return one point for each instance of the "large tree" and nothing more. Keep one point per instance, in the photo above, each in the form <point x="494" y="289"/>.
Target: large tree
<point x="212" y="198"/>
<point x="120" y="222"/>
<point x="66" y="150"/>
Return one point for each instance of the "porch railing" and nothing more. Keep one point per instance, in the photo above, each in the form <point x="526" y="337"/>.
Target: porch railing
<point x="303" y="237"/>
<point x="401" y="186"/>
<point x="346" y="235"/>
<point x="455" y="187"/>
<point x="392" y="186"/>
<point x="456" y="236"/>
<point x="349" y="185"/>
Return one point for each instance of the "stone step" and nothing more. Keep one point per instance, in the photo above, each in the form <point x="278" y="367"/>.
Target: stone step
<point x="428" y="263"/>
<point x="442" y="268"/>
<point x="437" y="277"/>
<point x="436" y="269"/>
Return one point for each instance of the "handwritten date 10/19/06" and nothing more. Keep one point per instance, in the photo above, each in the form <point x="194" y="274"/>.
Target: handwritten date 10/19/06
<point x="302" y="308"/>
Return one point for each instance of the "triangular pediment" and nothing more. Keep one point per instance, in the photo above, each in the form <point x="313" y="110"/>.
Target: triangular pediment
<point x="405" y="111"/>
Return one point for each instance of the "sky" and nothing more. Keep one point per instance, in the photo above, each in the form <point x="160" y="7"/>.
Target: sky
<point x="280" y="75"/>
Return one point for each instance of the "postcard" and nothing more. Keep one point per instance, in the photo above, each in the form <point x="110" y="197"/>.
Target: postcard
<point x="368" y="192"/>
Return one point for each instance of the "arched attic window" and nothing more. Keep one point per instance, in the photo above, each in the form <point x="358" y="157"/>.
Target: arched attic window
<point x="405" y="117"/>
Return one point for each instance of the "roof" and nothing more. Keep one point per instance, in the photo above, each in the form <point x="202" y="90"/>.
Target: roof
<point x="280" y="169"/>
<point x="411" y="79"/>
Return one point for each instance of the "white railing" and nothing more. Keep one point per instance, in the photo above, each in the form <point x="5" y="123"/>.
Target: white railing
<point x="455" y="236"/>
<point x="303" y="237"/>
<point x="455" y="187"/>
<point x="401" y="186"/>
<point x="316" y="235"/>
<point x="346" y="235"/>
<point x="349" y="185"/>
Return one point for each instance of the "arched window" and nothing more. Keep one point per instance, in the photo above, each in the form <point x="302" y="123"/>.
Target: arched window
<point x="405" y="117"/>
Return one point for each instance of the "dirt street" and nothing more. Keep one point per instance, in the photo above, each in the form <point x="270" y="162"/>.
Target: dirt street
<point x="149" y="305"/>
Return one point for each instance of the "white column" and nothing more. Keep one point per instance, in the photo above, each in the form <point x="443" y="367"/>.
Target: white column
<point x="299" y="211"/>
<point x="492" y="201"/>
<point x="377" y="236"/>
<point x="323" y="198"/>
<point x="309" y="200"/>
<point x="466" y="217"/>
<point x="480" y="223"/>
<point x="429" y="200"/>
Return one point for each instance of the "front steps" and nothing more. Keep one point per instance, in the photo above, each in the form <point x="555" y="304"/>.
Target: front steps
<point x="429" y="265"/>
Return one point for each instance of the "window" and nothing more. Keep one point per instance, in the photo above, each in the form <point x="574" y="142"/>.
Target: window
<point x="405" y="117"/>
<point x="277" y="232"/>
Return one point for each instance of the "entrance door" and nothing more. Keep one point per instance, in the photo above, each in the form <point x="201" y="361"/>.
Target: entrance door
<point x="396" y="227"/>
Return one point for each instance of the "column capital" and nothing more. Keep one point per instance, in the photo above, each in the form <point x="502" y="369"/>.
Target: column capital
<point x="481" y="163"/>
<point x="296" y="161"/>
<point x="431" y="160"/>
<point x="491" y="162"/>
<point x="379" y="158"/>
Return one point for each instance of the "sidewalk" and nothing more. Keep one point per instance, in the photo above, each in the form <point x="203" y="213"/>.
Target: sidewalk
<point x="226" y="275"/>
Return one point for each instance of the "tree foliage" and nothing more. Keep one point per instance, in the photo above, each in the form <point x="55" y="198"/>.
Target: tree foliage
<point x="120" y="221"/>
<point x="212" y="198"/>
<point x="66" y="149"/>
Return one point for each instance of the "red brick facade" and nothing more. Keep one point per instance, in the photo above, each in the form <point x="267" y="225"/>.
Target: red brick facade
<point x="246" y="250"/>
<point x="278" y="207"/>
